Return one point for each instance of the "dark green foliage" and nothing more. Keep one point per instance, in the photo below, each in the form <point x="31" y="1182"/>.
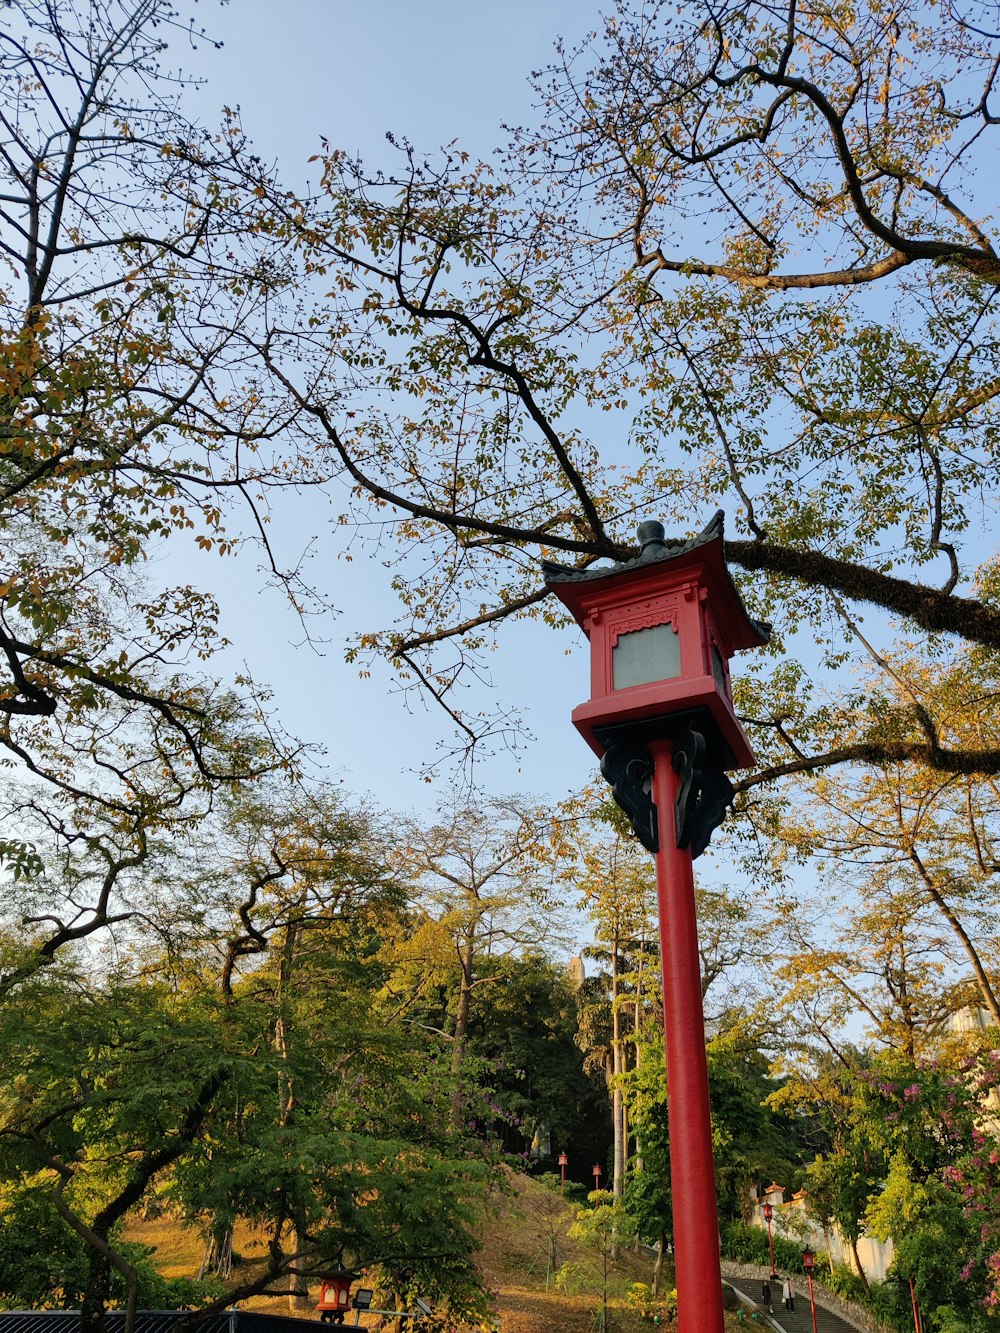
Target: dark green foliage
<point x="750" y="1139"/>
<point x="524" y="1036"/>
<point x="748" y="1244"/>
<point x="43" y="1264"/>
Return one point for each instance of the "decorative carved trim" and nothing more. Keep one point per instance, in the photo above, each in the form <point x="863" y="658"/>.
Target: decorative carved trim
<point x="704" y="793"/>
<point x="648" y="615"/>
<point x="628" y="767"/>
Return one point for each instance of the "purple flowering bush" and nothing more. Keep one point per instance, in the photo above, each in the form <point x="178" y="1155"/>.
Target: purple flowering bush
<point x="935" y="1132"/>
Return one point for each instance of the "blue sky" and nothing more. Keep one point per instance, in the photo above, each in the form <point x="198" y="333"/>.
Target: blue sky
<point x="432" y="72"/>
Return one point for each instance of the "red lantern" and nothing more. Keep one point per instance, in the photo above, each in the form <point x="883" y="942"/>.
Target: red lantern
<point x="335" y="1296"/>
<point x="563" y="1161"/>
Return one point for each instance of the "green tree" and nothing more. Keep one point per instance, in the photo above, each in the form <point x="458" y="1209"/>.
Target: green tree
<point x="616" y="884"/>
<point x="524" y="1042"/>
<point x="103" y="1091"/>
<point x="483" y="880"/>
<point x="600" y="1228"/>
<point x="131" y="419"/>
<point x="750" y="1137"/>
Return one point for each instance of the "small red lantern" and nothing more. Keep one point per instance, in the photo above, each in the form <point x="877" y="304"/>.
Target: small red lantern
<point x="335" y="1296"/>
<point x="597" y="1177"/>
<point x="768" y="1212"/>
<point x="808" y="1260"/>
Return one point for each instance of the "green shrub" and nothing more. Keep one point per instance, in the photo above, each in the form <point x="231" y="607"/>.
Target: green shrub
<point x="44" y="1265"/>
<point x="747" y="1244"/>
<point x="845" y="1282"/>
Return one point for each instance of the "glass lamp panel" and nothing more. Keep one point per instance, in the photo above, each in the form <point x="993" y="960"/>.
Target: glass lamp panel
<point x="646" y="655"/>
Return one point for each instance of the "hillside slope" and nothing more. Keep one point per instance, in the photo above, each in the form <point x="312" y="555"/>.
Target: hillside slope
<point x="523" y="1241"/>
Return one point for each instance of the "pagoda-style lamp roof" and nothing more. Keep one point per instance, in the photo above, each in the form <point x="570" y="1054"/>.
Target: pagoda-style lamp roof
<point x="655" y="549"/>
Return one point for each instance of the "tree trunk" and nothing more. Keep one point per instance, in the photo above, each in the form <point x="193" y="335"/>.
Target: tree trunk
<point x="661" y="1248"/>
<point x="636" y="1030"/>
<point x="218" y="1257"/>
<point x="857" y="1264"/>
<point x="466" y="960"/>
<point x="617" y="1099"/>
<point x="103" y="1258"/>
<point x="298" y="1296"/>
<point x="298" y="1287"/>
<point x="96" y="1294"/>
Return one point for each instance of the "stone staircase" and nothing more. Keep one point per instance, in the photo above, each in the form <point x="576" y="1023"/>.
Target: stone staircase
<point x="787" y="1321"/>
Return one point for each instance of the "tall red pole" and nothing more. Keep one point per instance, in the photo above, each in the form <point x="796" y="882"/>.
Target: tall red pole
<point x="692" y="1169"/>
<point x="770" y="1242"/>
<point x="916" y="1313"/>
<point x="812" y="1298"/>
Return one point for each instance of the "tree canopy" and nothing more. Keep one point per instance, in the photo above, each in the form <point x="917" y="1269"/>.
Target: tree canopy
<point x="740" y="261"/>
<point x="745" y="258"/>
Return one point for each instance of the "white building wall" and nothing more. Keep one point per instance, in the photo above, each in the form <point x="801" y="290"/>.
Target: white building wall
<point x="791" y="1222"/>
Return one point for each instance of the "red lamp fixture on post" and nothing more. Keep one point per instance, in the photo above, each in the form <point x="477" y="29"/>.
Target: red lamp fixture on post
<point x="597" y="1176"/>
<point x="809" y="1263"/>
<point x="335" y="1296"/>
<point x="662" y="628"/>
<point x="768" y="1212"/>
<point x="563" y="1161"/>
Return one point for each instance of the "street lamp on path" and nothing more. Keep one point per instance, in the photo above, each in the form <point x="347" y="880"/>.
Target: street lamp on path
<point x="662" y="628"/>
<point x="809" y="1263"/>
<point x="768" y="1212"/>
<point x="563" y="1164"/>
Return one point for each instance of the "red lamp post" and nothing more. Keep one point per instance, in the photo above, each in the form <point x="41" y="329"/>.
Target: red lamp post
<point x="917" y="1323"/>
<point x="768" y="1212"/>
<point x="597" y="1176"/>
<point x="662" y="628"/>
<point x="809" y="1263"/>
<point x="563" y="1164"/>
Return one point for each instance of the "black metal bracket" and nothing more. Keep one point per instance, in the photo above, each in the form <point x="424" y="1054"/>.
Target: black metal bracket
<point x="700" y="759"/>
<point x="628" y="767"/>
<point x="704" y="794"/>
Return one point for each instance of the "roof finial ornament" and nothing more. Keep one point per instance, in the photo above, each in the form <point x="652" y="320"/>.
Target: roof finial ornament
<point x="650" y="533"/>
